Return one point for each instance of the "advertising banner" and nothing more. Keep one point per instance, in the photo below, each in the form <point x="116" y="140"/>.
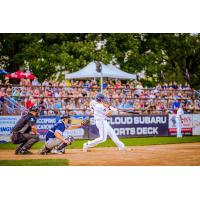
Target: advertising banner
<point x="80" y="133"/>
<point x="186" y="124"/>
<point x="6" y="124"/>
<point x="196" y="124"/>
<point x="43" y="124"/>
<point x="135" y="126"/>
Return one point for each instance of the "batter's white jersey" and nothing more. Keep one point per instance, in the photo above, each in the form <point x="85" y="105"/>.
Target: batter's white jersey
<point x="92" y="104"/>
<point x="100" y="112"/>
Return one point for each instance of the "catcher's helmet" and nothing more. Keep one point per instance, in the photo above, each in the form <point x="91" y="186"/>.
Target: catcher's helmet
<point x="100" y="97"/>
<point x="34" y="108"/>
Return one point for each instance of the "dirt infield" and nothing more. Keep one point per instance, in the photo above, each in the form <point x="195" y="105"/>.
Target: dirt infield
<point x="154" y="155"/>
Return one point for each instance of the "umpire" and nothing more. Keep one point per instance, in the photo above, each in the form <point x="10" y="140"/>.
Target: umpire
<point x="25" y="132"/>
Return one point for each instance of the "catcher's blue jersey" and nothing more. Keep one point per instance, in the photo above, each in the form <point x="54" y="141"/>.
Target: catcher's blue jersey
<point x="58" y="127"/>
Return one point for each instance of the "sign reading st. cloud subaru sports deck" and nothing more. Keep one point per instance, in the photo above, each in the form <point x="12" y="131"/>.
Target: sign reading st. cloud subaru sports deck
<point x="136" y="126"/>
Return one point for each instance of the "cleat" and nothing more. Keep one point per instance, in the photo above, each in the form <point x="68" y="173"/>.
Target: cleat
<point x="24" y="152"/>
<point x="44" y="151"/>
<point x="124" y="149"/>
<point x="18" y="149"/>
<point x="55" y="151"/>
<point x="85" y="148"/>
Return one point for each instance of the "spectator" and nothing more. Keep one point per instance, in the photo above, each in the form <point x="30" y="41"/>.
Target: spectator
<point x="164" y="86"/>
<point x="105" y="85"/>
<point x="58" y="104"/>
<point x="179" y="96"/>
<point x="42" y="107"/>
<point x="118" y="85"/>
<point x="175" y="105"/>
<point x="2" y="96"/>
<point x="16" y="93"/>
<point x="174" y="86"/>
<point x="189" y="106"/>
<point x="35" y="82"/>
<point x="186" y="86"/>
<point x="36" y="93"/>
<point x="139" y="89"/>
<point x="45" y="83"/>
<point x="7" y="81"/>
<point x="29" y="103"/>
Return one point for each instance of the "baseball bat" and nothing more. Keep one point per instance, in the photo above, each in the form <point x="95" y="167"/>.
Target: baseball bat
<point x="127" y="111"/>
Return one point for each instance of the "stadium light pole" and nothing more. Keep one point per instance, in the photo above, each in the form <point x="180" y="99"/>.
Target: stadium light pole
<point x="99" y="70"/>
<point x="101" y="81"/>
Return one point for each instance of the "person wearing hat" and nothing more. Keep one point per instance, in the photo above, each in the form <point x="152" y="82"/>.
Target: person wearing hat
<point x="179" y="115"/>
<point x="102" y="110"/>
<point x="25" y="132"/>
<point x="55" y="141"/>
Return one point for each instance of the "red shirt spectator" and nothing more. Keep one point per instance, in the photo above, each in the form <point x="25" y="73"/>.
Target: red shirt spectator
<point x="118" y="85"/>
<point x="29" y="104"/>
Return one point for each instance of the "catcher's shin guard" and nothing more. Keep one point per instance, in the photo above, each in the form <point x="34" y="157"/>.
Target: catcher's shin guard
<point x="63" y="145"/>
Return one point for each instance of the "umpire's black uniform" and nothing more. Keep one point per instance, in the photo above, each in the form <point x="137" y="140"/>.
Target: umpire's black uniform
<point x="21" y="133"/>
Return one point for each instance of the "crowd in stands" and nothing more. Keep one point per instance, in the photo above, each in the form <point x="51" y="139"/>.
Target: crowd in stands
<point x="73" y="97"/>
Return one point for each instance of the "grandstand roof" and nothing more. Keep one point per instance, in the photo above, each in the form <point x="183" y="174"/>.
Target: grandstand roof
<point x="108" y="71"/>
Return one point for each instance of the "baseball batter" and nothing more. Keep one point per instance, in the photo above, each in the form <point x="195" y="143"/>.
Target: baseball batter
<point x="179" y="114"/>
<point x="101" y="112"/>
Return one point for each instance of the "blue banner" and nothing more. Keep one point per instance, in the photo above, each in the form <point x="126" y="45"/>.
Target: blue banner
<point x="44" y="123"/>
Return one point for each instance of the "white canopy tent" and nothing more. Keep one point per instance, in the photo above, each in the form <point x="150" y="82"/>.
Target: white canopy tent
<point x="108" y="71"/>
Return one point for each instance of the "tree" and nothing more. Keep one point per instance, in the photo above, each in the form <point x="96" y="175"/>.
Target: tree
<point x="164" y="57"/>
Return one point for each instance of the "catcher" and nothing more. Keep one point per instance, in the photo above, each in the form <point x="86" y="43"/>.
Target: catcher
<point x="55" y="142"/>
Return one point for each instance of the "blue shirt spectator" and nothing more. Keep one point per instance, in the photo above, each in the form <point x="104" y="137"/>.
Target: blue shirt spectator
<point x="175" y="106"/>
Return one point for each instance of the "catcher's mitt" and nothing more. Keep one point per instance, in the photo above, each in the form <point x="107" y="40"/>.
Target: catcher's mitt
<point x="85" y="122"/>
<point x="70" y="139"/>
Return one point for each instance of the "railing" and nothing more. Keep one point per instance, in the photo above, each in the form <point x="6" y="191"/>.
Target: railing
<point x="12" y="107"/>
<point x="197" y="93"/>
<point x="126" y="87"/>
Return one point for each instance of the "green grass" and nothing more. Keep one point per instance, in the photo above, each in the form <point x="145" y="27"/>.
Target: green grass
<point x="39" y="162"/>
<point x="127" y="141"/>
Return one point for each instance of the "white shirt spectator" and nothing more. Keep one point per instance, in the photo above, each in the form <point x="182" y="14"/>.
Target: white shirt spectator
<point x="35" y="82"/>
<point x="57" y="95"/>
<point x="45" y="83"/>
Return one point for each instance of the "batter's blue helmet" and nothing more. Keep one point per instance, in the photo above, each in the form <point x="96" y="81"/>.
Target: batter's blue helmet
<point x="100" y="97"/>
